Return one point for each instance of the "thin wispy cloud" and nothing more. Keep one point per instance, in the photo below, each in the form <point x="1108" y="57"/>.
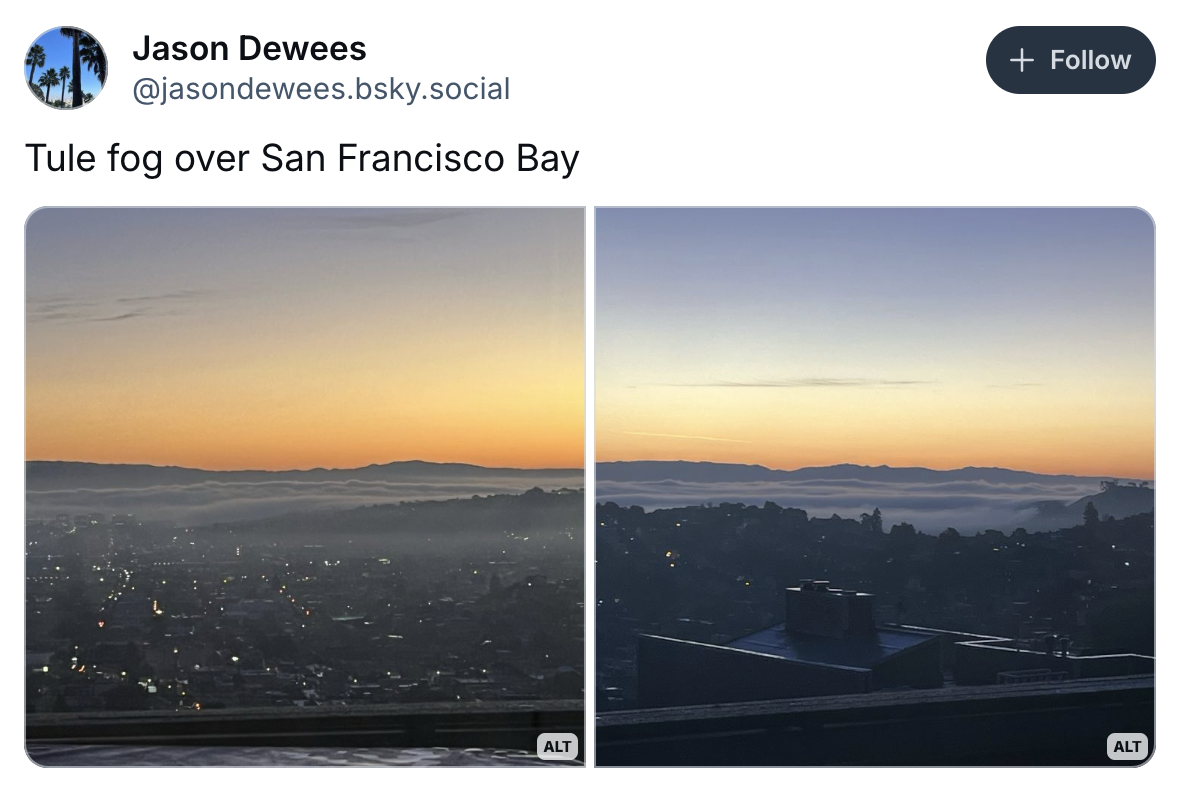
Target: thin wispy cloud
<point x="684" y="436"/>
<point x="54" y="309"/>
<point x="182" y="295"/>
<point x="121" y="317"/>
<point x="118" y="309"/>
<point x="805" y="382"/>
<point x="60" y="309"/>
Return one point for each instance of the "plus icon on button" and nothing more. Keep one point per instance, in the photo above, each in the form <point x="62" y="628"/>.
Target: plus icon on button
<point x="1022" y="60"/>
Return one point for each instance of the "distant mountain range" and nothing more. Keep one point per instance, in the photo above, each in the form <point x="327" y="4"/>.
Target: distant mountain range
<point x="64" y="475"/>
<point x="712" y="472"/>
<point x="55" y="475"/>
<point x="969" y="499"/>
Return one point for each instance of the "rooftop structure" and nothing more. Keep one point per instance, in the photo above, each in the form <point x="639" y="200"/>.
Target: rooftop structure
<point x="827" y="645"/>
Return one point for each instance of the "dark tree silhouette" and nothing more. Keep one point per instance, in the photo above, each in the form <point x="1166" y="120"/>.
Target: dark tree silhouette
<point x="48" y="79"/>
<point x="64" y="74"/>
<point x="873" y="521"/>
<point x="1091" y="516"/>
<point x="35" y="59"/>
<point x="92" y="54"/>
<point x="74" y="34"/>
<point x="949" y="541"/>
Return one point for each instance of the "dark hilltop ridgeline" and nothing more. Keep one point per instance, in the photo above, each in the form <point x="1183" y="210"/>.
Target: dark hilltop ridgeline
<point x="1116" y="500"/>
<point x="712" y="472"/>
<point x="62" y="475"/>
<point x="534" y="512"/>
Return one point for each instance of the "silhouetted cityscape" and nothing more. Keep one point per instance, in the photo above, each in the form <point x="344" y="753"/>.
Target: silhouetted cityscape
<point x="717" y="573"/>
<point x="461" y="601"/>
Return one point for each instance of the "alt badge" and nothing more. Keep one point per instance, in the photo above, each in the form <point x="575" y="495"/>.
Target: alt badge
<point x="556" y="747"/>
<point x="1128" y="747"/>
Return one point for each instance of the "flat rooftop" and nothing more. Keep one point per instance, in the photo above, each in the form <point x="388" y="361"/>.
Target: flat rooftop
<point x="857" y="653"/>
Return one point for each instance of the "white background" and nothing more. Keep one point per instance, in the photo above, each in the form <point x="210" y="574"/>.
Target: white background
<point x="680" y="103"/>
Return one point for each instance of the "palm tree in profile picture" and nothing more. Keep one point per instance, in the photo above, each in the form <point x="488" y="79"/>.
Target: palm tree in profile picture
<point x="64" y="74"/>
<point x="96" y="60"/>
<point x="74" y="34"/>
<point x="48" y="79"/>
<point x="35" y="59"/>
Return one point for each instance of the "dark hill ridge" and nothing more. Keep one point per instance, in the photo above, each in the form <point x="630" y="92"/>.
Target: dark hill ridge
<point x="533" y="511"/>
<point x="712" y="472"/>
<point x="1116" y="500"/>
<point x="62" y="475"/>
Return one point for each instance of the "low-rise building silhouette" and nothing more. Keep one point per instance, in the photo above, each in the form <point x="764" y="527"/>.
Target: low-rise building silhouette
<point x="830" y="644"/>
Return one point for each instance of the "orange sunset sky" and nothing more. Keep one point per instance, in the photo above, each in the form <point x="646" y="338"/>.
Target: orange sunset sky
<point x="287" y="338"/>
<point x="1019" y="338"/>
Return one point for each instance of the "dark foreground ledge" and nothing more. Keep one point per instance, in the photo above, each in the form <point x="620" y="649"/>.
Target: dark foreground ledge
<point x="232" y="756"/>
<point x="1065" y="723"/>
<point x="492" y="725"/>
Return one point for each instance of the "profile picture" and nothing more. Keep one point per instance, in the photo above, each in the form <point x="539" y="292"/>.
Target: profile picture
<point x="65" y="67"/>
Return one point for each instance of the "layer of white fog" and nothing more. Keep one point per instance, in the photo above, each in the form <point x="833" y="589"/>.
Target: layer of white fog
<point x="969" y="506"/>
<point x="212" y="502"/>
